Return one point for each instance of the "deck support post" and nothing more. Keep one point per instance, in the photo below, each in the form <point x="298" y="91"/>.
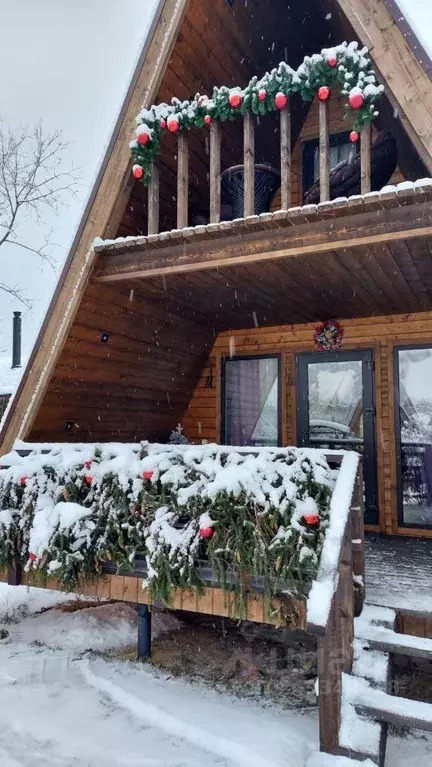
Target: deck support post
<point x="144" y="632"/>
<point x="153" y="201"/>
<point x="14" y="575"/>
<point x="182" y="181"/>
<point x="330" y="683"/>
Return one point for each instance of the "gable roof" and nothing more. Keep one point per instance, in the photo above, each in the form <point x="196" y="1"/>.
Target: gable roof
<point x="405" y="69"/>
<point x="414" y="19"/>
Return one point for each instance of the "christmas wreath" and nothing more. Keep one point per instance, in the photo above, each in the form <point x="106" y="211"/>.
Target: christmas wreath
<point x="344" y="67"/>
<point x="329" y="335"/>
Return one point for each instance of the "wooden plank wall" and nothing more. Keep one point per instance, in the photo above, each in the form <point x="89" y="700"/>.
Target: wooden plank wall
<point x="135" y="386"/>
<point x="381" y="334"/>
<point x="310" y="130"/>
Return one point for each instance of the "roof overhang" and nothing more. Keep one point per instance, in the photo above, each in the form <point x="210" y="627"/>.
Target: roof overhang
<point x="356" y="257"/>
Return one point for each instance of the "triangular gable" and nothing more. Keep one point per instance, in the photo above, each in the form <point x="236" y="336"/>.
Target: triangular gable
<point x="407" y="84"/>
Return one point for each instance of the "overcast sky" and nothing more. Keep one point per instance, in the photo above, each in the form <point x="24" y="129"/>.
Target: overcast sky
<point x="68" y="62"/>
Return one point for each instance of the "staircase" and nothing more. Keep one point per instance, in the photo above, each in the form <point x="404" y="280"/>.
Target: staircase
<point x="367" y="703"/>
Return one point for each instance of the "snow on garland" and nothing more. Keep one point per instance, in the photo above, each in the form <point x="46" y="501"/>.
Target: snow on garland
<point x="344" y="67"/>
<point x="261" y="515"/>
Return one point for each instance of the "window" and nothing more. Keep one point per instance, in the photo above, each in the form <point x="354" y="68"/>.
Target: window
<point x="341" y="148"/>
<point x="251" y="401"/>
<point x="414" y="432"/>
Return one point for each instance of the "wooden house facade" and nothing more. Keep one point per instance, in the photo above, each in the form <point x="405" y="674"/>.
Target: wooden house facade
<point x="213" y="321"/>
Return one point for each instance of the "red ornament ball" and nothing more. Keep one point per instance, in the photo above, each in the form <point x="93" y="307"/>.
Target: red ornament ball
<point x="137" y="171"/>
<point x="332" y="61"/>
<point x="235" y="99"/>
<point x="23" y="481"/>
<point x="173" y="125"/>
<point x="281" y="100"/>
<point x="32" y="557"/>
<point x="262" y="94"/>
<point x="312" y="520"/>
<point x="356" y="100"/>
<point x="143" y="137"/>
<point x="88" y="464"/>
<point x="208" y="119"/>
<point x="163" y="124"/>
<point x="354" y="136"/>
<point x="206" y="532"/>
<point x="148" y="474"/>
<point x="324" y="93"/>
<point x="88" y="479"/>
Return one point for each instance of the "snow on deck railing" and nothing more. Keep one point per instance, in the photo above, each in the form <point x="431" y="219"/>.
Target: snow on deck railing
<point x="324" y="586"/>
<point x="159" y="498"/>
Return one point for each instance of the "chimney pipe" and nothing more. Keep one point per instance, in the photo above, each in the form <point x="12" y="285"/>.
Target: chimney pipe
<point x="16" y="340"/>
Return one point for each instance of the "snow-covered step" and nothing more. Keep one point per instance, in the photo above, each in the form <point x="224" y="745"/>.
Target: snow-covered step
<point x="383" y="707"/>
<point x="387" y="640"/>
<point x="327" y="760"/>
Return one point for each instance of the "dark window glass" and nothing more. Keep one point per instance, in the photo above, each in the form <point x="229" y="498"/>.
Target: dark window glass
<point x="414" y="367"/>
<point x="251" y="401"/>
<point x="341" y="149"/>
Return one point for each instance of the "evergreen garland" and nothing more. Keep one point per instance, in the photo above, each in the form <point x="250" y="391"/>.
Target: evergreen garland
<point x="268" y="513"/>
<point x="344" y="68"/>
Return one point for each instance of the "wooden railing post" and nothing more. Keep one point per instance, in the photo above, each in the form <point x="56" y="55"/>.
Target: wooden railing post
<point x="285" y="134"/>
<point x="153" y="201"/>
<point x="365" y="158"/>
<point x="324" y="152"/>
<point x="358" y="547"/>
<point x="249" y="164"/>
<point x="346" y="601"/>
<point x="182" y="181"/>
<point x="330" y="683"/>
<point x="215" y="172"/>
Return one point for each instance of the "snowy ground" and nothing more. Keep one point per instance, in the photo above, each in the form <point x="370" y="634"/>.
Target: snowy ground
<point x="61" y="706"/>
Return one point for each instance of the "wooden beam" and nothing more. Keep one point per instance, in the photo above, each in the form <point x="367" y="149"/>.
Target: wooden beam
<point x="365" y="159"/>
<point x="403" y="223"/>
<point x="407" y="83"/>
<point x="215" y="172"/>
<point x="183" y="181"/>
<point x="249" y="164"/>
<point x="285" y="132"/>
<point x="104" y="210"/>
<point x="324" y="151"/>
<point x="153" y="201"/>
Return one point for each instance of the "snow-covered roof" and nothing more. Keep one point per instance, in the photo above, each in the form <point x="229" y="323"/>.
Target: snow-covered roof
<point x="418" y="15"/>
<point x="9" y="377"/>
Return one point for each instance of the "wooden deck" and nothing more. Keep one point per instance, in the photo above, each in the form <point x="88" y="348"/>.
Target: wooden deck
<point x="399" y="572"/>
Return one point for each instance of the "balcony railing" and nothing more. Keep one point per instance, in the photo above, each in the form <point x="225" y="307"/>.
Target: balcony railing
<point x="343" y="69"/>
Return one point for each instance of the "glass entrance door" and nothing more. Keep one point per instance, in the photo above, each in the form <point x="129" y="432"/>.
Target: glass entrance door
<point x="335" y="410"/>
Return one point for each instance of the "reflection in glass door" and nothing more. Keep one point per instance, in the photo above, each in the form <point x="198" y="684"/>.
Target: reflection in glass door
<point x="335" y="410"/>
<point x="414" y="433"/>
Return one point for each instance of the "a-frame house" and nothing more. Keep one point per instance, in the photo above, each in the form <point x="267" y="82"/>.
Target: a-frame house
<point x="195" y="321"/>
<point x="270" y="284"/>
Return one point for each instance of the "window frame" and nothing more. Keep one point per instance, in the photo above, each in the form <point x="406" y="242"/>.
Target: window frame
<point x="308" y="149"/>
<point x="242" y="357"/>
<point x="398" y="436"/>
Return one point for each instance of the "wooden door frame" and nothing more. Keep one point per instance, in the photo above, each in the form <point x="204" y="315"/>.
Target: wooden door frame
<point x="367" y="358"/>
<point x="402" y="526"/>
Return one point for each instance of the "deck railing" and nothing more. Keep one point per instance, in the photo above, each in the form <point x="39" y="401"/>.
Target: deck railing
<point x="249" y="122"/>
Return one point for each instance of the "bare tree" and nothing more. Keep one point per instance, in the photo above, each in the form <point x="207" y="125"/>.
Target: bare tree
<point x="32" y="181"/>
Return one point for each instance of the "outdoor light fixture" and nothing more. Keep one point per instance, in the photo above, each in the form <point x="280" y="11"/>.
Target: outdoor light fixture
<point x="104" y="338"/>
<point x="209" y="380"/>
<point x="69" y="425"/>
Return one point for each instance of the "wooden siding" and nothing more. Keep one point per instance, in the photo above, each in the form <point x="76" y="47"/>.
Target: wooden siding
<point x="381" y="334"/>
<point x="135" y="386"/>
